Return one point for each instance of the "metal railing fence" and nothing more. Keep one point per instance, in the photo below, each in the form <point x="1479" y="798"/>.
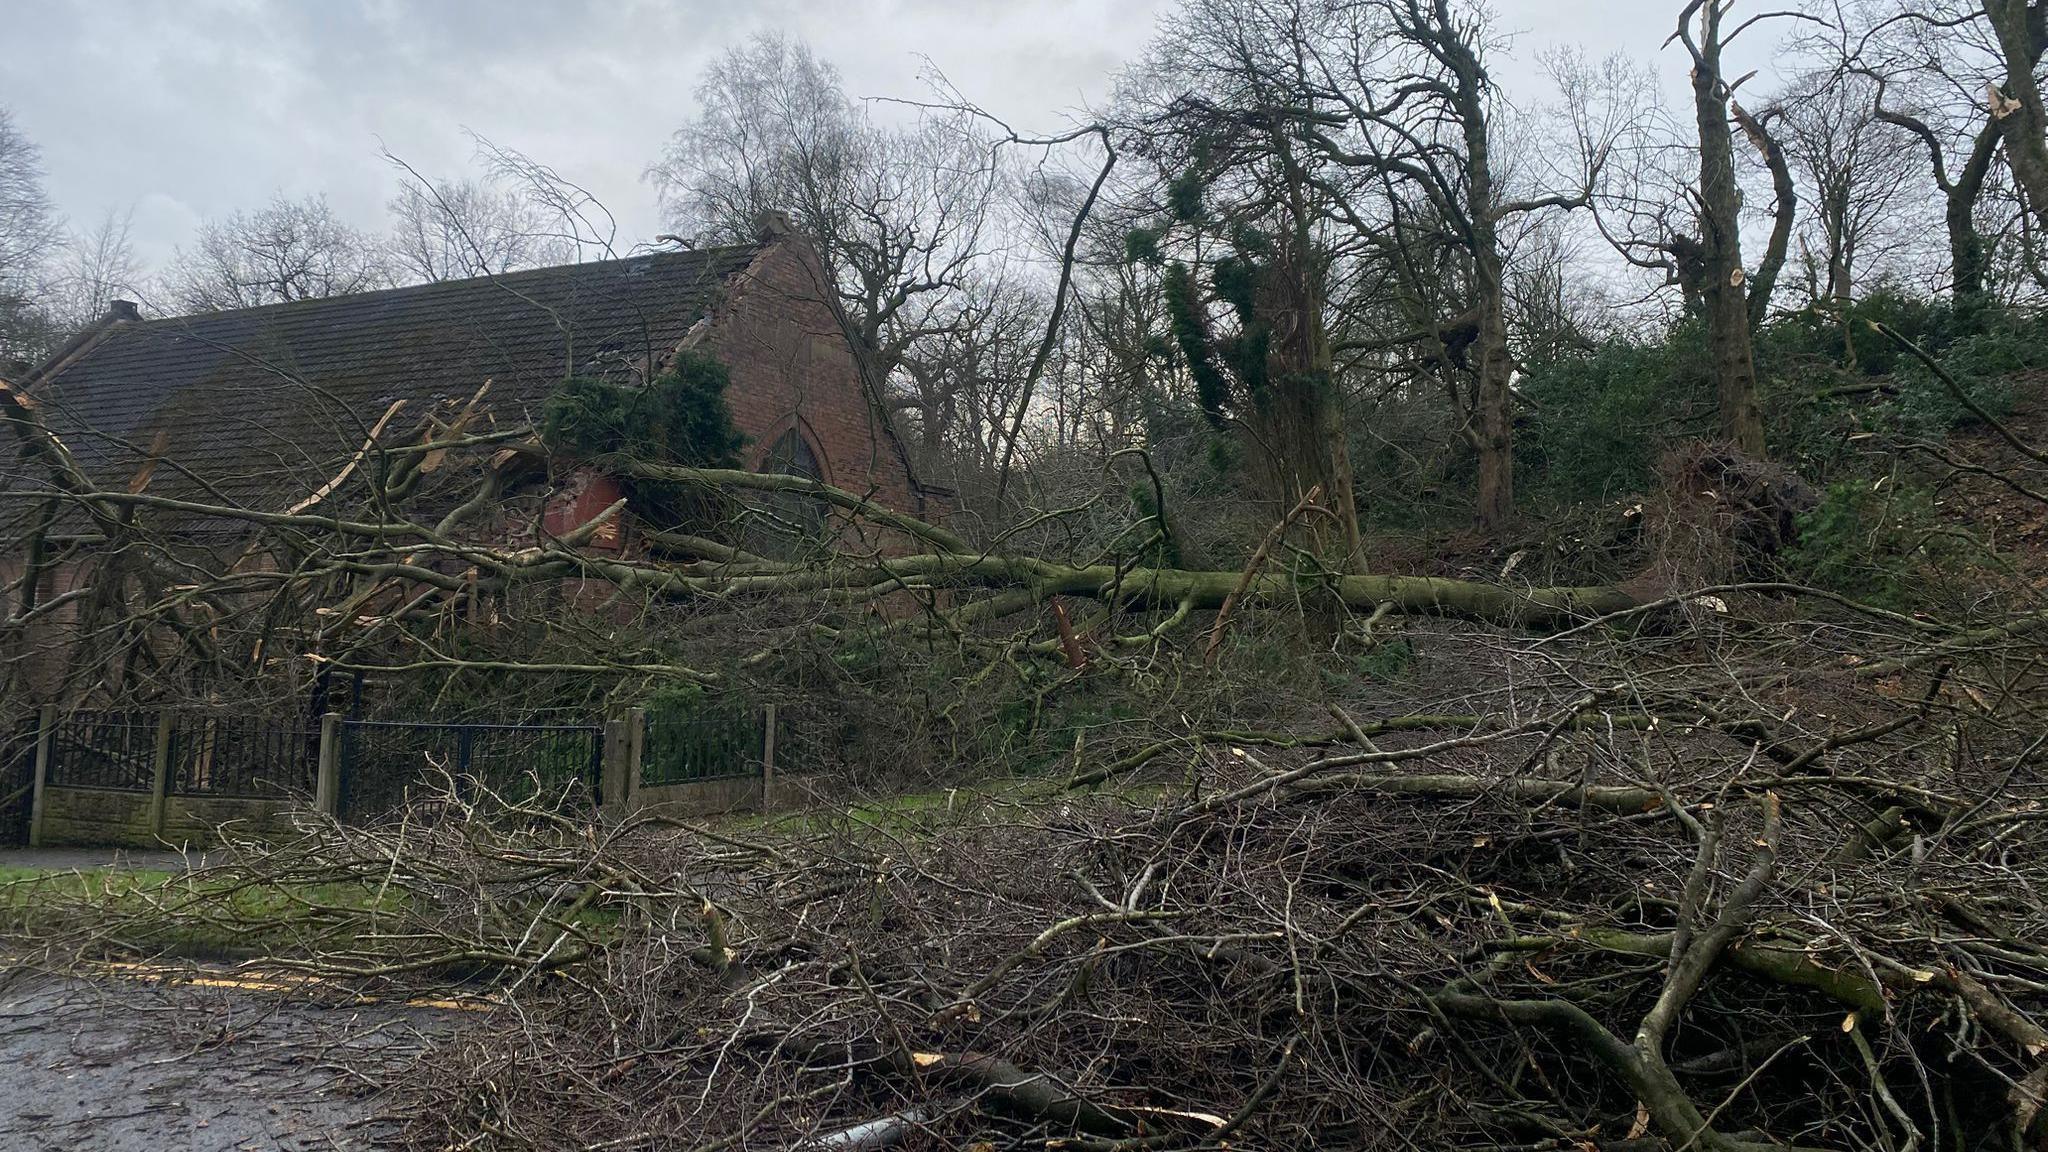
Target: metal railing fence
<point x="108" y="750"/>
<point x="683" y="748"/>
<point x="246" y="757"/>
<point x="384" y="762"/>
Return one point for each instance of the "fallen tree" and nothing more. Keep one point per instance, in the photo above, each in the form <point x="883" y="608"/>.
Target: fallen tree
<point x="192" y="577"/>
<point x="1723" y="868"/>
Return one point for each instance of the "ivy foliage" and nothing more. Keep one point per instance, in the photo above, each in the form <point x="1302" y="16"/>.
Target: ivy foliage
<point x="1228" y="370"/>
<point x="1191" y="335"/>
<point x="681" y="418"/>
<point x="1598" y="419"/>
<point x="1885" y="544"/>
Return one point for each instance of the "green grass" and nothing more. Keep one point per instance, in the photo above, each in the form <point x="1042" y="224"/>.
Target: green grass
<point x="152" y="911"/>
<point x="20" y="887"/>
<point x="210" y="916"/>
<point x="140" y="913"/>
<point x="919" y="813"/>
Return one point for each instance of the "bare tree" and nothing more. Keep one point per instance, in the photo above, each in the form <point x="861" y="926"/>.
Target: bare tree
<point x="454" y="230"/>
<point x="30" y="233"/>
<point x="1710" y="262"/>
<point x="1360" y="139"/>
<point x="963" y="377"/>
<point x="288" y="250"/>
<point x="2021" y="28"/>
<point x="1929" y="65"/>
<point x="96" y="268"/>
<point x="574" y="223"/>
<point x="1416" y="106"/>
<point x="1854" y="166"/>
<point x="900" y="213"/>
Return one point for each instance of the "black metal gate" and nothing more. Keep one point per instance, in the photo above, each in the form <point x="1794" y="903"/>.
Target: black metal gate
<point x="386" y="764"/>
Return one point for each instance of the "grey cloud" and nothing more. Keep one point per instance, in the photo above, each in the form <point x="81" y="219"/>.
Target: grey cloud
<point x="202" y="107"/>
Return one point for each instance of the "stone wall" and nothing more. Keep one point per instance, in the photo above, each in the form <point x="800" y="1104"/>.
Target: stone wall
<point x="700" y="797"/>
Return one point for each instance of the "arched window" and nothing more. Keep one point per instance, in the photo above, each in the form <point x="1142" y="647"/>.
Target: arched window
<point x="792" y="456"/>
<point x="790" y="524"/>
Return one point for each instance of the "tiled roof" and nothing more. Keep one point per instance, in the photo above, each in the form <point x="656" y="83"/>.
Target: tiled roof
<point x="265" y="403"/>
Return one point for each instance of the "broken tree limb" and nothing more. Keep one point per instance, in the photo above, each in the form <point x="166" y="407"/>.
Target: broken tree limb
<point x="863" y="507"/>
<point x="1694" y="949"/>
<point x="1255" y="565"/>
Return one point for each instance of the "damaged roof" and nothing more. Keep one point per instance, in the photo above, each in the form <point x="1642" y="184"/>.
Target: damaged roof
<point x="263" y="404"/>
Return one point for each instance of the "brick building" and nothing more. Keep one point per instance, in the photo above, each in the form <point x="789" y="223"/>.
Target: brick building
<point x="264" y="404"/>
<point x="272" y="408"/>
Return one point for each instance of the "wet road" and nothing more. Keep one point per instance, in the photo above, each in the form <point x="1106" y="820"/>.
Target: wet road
<point x="130" y="1065"/>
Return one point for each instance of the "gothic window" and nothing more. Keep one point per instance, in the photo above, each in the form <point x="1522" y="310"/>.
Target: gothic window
<point x="792" y="456"/>
<point x="790" y="523"/>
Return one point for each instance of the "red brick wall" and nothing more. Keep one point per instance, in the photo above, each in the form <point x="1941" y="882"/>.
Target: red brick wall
<point x="791" y="367"/>
<point x="579" y="498"/>
<point x="44" y="646"/>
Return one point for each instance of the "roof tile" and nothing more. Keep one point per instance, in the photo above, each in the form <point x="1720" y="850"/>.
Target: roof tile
<point x="264" y="403"/>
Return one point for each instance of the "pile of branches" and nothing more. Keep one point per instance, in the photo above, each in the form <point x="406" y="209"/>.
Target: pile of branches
<point x="1683" y="895"/>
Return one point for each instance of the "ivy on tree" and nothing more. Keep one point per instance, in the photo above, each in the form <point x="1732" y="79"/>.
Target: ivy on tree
<point x="1212" y="361"/>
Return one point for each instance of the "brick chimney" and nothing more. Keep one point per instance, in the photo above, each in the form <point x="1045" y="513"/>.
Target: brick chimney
<point x="122" y="310"/>
<point x="772" y="224"/>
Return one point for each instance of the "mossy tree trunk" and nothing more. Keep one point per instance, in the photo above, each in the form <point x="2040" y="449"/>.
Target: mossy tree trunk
<point x="1723" y="281"/>
<point x="1300" y="425"/>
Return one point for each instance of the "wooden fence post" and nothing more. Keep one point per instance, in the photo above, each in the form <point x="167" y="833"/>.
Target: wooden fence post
<point x="767" y="757"/>
<point x="327" y="778"/>
<point x="46" y="726"/>
<point x="160" y="777"/>
<point x="636" y="752"/>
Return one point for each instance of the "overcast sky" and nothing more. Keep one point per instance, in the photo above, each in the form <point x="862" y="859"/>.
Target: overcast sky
<point x="198" y="108"/>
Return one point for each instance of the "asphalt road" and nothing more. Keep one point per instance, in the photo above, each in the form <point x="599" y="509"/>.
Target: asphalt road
<point x="99" y="859"/>
<point x="135" y="1065"/>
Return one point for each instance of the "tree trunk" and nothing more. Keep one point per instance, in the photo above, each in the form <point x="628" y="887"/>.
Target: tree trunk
<point x="1840" y="293"/>
<point x="1965" y="248"/>
<point x="1959" y="197"/>
<point x="1965" y="243"/>
<point x="1723" y="284"/>
<point x="1309" y="442"/>
<point x="1408" y="595"/>
<point x="1784" y="214"/>
<point x="1494" y="418"/>
<point x="2018" y="112"/>
<point x="1493" y="398"/>
<point x="1336" y="441"/>
<point x="1304" y="442"/>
